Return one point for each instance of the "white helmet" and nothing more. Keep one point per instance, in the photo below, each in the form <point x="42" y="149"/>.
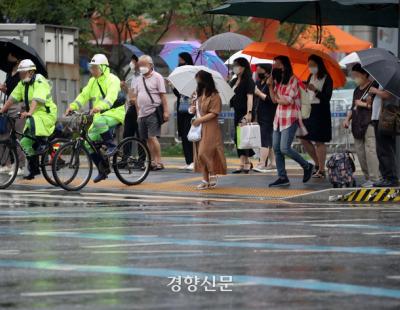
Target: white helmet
<point x="99" y="59"/>
<point x="26" y="65"/>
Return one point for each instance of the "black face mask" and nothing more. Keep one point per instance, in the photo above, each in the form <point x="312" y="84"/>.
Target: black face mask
<point x="262" y="76"/>
<point x="277" y="75"/>
<point x="181" y="64"/>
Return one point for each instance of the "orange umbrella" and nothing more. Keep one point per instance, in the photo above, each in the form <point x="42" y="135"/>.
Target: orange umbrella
<point x="270" y="50"/>
<point x="335" y="71"/>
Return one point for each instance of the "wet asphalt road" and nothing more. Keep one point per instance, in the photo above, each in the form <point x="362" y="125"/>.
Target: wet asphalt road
<point x="119" y="251"/>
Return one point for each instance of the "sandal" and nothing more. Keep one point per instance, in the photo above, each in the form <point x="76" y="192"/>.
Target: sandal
<point x="319" y="175"/>
<point x="157" y="167"/>
<point x="240" y="170"/>
<point x="203" y="185"/>
<point x="249" y="166"/>
<point x="213" y="181"/>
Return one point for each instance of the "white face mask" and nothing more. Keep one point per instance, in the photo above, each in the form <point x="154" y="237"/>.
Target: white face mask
<point x="313" y="70"/>
<point x="144" y="70"/>
<point x="358" y="81"/>
<point x="236" y="70"/>
<point x="132" y="66"/>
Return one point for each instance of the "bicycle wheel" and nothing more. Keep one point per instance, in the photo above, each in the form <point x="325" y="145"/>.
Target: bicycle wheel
<point x="47" y="160"/>
<point x="72" y="166"/>
<point x="131" y="162"/>
<point x="9" y="158"/>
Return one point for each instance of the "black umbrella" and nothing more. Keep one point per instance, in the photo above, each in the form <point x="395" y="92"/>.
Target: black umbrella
<point x="382" y="13"/>
<point x="383" y="66"/>
<point x="22" y="51"/>
<point x="323" y="12"/>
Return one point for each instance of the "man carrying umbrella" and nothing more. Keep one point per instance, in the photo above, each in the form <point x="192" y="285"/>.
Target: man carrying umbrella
<point x="40" y="111"/>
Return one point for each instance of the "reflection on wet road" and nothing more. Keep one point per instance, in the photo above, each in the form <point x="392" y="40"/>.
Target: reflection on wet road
<point x="122" y="251"/>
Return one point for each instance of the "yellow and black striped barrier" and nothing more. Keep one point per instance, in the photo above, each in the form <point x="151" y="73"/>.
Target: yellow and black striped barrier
<point x="372" y="195"/>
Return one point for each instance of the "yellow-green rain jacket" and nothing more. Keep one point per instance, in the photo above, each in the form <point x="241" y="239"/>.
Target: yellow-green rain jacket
<point x="45" y="114"/>
<point x="110" y="84"/>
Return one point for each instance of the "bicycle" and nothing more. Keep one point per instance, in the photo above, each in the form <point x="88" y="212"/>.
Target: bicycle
<point x="9" y="156"/>
<point x="131" y="161"/>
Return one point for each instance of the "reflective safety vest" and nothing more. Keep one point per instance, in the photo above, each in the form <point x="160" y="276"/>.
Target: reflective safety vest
<point x="110" y="85"/>
<point x="45" y="114"/>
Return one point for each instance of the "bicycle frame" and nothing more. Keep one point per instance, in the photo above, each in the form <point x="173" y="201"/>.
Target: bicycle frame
<point x="13" y="140"/>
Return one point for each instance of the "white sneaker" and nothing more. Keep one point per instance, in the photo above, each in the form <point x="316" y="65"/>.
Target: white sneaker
<point x="190" y="167"/>
<point x="368" y="184"/>
<point x="185" y="167"/>
<point x="5" y="169"/>
<point x="261" y="169"/>
<point x="20" y="172"/>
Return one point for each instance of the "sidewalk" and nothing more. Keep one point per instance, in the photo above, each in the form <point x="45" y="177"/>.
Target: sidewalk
<point x="173" y="181"/>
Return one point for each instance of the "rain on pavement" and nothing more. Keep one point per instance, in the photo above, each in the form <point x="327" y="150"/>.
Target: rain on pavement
<point x="99" y="250"/>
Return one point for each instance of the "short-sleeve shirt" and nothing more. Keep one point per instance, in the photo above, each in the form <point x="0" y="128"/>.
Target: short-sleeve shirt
<point x="239" y="100"/>
<point x="156" y="86"/>
<point x="288" y="114"/>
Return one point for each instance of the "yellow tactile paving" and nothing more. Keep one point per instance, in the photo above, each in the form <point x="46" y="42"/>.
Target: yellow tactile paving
<point x="178" y="186"/>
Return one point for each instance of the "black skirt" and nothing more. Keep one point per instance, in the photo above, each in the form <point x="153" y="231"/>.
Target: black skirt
<point x="319" y="125"/>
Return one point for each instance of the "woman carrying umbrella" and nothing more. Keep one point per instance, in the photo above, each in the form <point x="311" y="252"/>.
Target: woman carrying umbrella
<point x="319" y="124"/>
<point x="184" y="118"/>
<point x="209" y="151"/>
<point x="242" y="104"/>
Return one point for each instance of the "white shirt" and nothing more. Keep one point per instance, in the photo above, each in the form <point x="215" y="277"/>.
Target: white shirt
<point x="376" y="107"/>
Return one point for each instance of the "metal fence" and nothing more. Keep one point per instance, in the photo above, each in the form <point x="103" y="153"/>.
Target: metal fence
<point x="339" y="108"/>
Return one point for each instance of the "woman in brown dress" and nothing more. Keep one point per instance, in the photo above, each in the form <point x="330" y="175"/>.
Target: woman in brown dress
<point x="209" y="158"/>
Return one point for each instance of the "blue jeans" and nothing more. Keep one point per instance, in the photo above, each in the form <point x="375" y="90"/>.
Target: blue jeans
<point x="282" y="143"/>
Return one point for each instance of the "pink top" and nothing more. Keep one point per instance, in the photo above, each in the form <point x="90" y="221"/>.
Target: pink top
<point x="156" y="86"/>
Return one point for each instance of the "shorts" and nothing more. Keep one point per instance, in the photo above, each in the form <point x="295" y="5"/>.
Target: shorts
<point x="149" y="126"/>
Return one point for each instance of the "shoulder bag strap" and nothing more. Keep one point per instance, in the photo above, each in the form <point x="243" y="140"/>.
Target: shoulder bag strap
<point x="101" y="90"/>
<point x="147" y="90"/>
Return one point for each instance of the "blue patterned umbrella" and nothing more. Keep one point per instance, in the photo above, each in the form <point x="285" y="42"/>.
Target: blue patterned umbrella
<point x="210" y="59"/>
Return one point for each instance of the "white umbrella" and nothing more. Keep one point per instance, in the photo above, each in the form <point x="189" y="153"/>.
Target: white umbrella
<point x="183" y="79"/>
<point x="252" y="60"/>
<point x="350" y="59"/>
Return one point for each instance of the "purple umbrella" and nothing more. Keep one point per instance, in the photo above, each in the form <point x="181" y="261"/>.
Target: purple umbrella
<point x="210" y="59"/>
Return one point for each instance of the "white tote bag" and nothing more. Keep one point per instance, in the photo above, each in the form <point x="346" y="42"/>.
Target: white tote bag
<point x="249" y="136"/>
<point x="194" y="134"/>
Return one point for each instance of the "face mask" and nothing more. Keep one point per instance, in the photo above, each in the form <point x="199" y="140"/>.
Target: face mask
<point x="181" y="64"/>
<point x="27" y="79"/>
<point x="132" y="66"/>
<point x="261" y="76"/>
<point x="277" y="75"/>
<point x="144" y="70"/>
<point x="313" y="70"/>
<point x="236" y="70"/>
<point x="358" y="81"/>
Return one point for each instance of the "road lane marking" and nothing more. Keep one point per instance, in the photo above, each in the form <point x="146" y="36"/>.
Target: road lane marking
<point x="220" y="244"/>
<point x="82" y="292"/>
<point x="271" y="237"/>
<point x="164" y="273"/>
<point x="121" y="245"/>
<point x="146" y="252"/>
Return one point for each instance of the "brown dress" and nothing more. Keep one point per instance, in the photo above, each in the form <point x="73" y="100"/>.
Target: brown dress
<point x="209" y="151"/>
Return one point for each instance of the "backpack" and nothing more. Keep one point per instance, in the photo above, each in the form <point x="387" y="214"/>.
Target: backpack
<point x="341" y="168"/>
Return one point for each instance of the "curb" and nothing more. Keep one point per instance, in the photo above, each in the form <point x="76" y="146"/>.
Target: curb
<point x="354" y="195"/>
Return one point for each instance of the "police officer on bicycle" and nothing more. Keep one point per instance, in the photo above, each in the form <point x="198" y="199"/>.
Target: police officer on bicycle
<point x="40" y="111"/>
<point x="102" y="91"/>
